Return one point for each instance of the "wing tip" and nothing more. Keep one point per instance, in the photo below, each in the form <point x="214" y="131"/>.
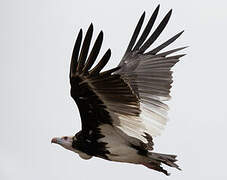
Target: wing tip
<point x="91" y="25"/>
<point x="168" y="15"/>
<point x="170" y="11"/>
<point x="80" y="31"/>
<point x="100" y="36"/>
<point x="108" y="51"/>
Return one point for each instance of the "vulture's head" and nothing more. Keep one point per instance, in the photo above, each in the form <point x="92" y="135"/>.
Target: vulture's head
<point x="67" y="143"/>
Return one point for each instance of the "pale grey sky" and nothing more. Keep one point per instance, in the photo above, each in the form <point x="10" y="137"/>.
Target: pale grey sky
<point x="37" y="38"/>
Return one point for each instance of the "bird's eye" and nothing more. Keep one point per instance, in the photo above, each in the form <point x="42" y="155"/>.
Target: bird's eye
<point x="65" y="138"/>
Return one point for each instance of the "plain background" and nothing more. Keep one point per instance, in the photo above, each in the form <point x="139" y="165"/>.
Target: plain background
<point x="36" y="42"/>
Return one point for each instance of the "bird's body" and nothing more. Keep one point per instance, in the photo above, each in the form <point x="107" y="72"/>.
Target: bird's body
<point x="122" y="109"/>
<point x="112" y="146"/>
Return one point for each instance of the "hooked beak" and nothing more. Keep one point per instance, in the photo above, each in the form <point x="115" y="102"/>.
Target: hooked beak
<point x="55" y="140"/>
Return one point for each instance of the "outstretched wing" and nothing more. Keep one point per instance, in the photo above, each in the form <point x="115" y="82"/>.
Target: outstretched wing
<point x="149" y="73"/>
<point x="129" y="97"/>
<point x="103" y="97"/>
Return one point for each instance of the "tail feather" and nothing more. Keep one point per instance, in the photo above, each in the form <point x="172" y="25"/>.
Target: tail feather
<point x="156" y="160"/>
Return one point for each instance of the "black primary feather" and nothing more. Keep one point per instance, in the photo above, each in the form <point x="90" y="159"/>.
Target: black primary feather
<point x="165" y="44"/>
<point x="85" y="48"/>
<point x="94" y="53"/>
<point x="147" y="29"/>
<point x="136" y="33"/>
<point x="75" y="53"/>
<point x="156" y="33"/>
<point x="96" y="70"/>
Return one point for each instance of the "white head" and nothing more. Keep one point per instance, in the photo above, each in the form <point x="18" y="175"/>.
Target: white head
<point x="66" y="142"/>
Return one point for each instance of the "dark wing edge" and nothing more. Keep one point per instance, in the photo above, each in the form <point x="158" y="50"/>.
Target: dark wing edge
<point x="78" y="65"/>
<point x="138" y="48"/>
<point x="80" y="71"/>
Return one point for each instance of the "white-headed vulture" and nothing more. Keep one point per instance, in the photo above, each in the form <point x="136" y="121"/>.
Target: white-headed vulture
<point x="123" y="109"/>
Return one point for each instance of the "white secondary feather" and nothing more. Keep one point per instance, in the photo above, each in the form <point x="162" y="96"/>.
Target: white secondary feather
<point x="149" y="121"/>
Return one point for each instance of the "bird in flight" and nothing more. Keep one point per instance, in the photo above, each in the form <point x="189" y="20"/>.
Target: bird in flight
<point x="123" y="109"/>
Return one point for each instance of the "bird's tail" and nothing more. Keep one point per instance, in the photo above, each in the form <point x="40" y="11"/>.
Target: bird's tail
<point x="156" y="160"/>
